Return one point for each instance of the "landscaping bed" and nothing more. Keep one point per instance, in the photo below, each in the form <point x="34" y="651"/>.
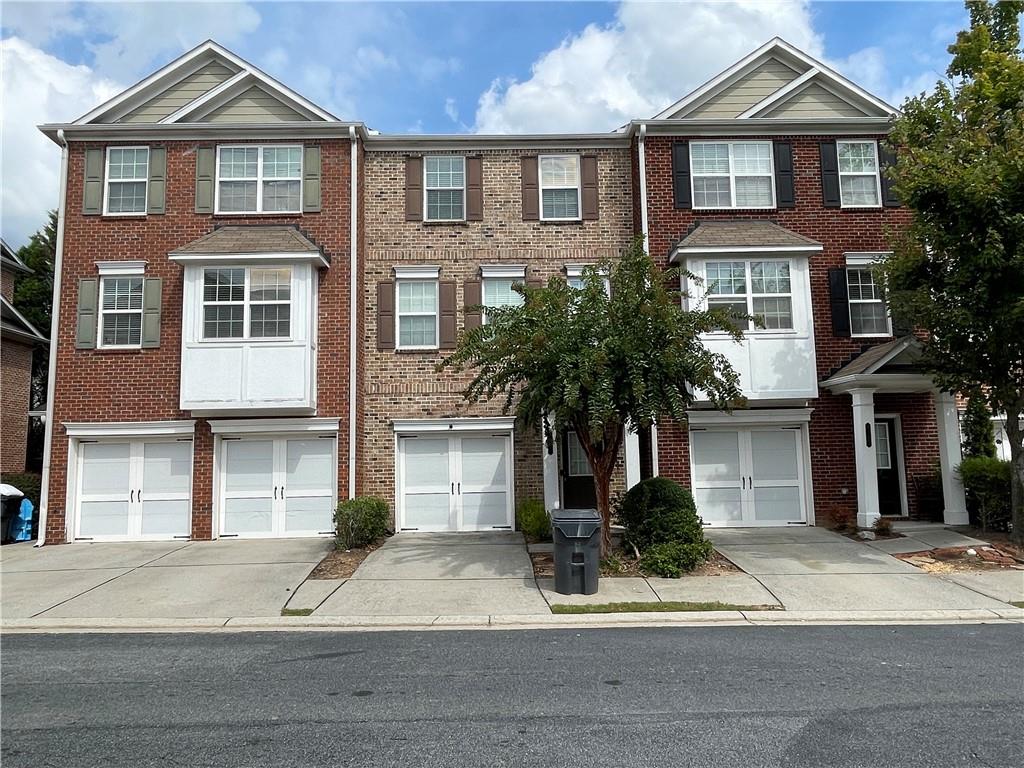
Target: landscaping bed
<point x="959" y="559"/>
<point x="342" y="563"/>
<point x="621" y="563"/>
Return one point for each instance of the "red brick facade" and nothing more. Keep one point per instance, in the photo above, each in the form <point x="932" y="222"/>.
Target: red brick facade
<point x="839" y="231"/>
<point x="97" y="385"/>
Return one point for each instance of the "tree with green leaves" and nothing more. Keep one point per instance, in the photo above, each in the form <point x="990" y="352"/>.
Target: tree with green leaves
<point x="598" y="358"/>
<point x="33" y="296"/>
<point x="976" y="426"/>
<point x="958" y="269"/>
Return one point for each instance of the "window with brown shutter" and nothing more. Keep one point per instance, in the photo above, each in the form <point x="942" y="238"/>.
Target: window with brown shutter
<point x="413" y="188"/>
<point x="531" y="195"/>
<point x="474" y="189"/>
<point x="385" y="315"/>
<point x="589" y="188"/>
<point x="447" y="322"/>
<point x="472" y="299"/>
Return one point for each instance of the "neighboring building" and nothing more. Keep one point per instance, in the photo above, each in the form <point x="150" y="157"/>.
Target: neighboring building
<point x="254" y="296"/>
<point x="18" y="341"/>
<point x="766" y="183"/>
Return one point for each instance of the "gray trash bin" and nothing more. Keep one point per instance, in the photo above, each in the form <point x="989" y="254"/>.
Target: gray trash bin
<point x="577" y="535"/>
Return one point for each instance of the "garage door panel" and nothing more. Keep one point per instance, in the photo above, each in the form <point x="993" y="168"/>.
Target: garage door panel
<point x="103" y="518"/>
<point x="483" y="462"/>
<point x="484" y="510"/>
<point x="165" y="517"/>
<point x="167" y="468"/>
<point x="719" y="505"/>
<point x="248" y="515"/>
<point x="106" y="469"/>
<point x="310" y="465"/>
<point x="249" y="466"/>
<point x="774" y="456"/>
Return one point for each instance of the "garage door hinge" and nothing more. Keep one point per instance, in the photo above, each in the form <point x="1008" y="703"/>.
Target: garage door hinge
<point x="229" y="536"/>
<point x="83" y="538"/>
<point x="502" y="527"/>
<point x="183" y="537"/>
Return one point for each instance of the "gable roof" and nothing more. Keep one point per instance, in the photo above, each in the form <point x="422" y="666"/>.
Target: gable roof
<point x="10" y="259"/>
<point x="14" y="325"/>
<point x="195" y="84"/>
<point x="743" y="235"/>
<point x="759" y="84"/>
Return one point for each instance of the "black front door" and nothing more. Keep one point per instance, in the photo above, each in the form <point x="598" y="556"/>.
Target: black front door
<point x="577" y="478"/>
<point x="887" y="459"/>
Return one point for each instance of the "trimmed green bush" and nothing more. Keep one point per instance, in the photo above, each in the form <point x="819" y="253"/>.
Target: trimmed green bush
<point x="658" y="510"/>
<point x="533" y="519"/>
<point x="987" y="483"/>
<point x="361" y="521"/>
<point x="671" y="559"/>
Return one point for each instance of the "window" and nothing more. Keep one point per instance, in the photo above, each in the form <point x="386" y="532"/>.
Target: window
<point x="417" y="314"/>
<point x="121" y="312"/>
<point x="868" y="314"/>
<point x="247" y="302"/>
<point x="883" y="451"/>
<point x="732" y="174"/>
<point x="859" y="185"/>
<point x="574" y="277"/>
<point x="446" y="188"/>
<point x="578" y="464"/>
<point x="559" y="187"/>
<point x="255" y="179"/>
<point x="497" y="286"/>
<point x="127" y="175"/>
<point x="759" y="288"/>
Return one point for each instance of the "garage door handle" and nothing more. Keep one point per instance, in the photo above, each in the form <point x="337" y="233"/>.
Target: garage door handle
<point x="453" y="489"/>
<point x="275" y="491"/>
<point x="131" y="496"/>
<point x="460" y="489"/>
<point x="282" y="491"/>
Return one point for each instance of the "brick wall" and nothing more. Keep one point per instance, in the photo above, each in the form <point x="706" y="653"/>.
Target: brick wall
<point x="15" y="385"/>
<point x="7" y="284"/>
<point x="839" y="231"/>
<point x="404" y="384"/>
<point x="143" y="385"/>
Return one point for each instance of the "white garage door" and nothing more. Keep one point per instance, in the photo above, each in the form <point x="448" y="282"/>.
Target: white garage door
<point x="749" y="476"/>
<point x="277" y="487"/>
<point x="455" y="483"/>
<point x="134" y="490"/>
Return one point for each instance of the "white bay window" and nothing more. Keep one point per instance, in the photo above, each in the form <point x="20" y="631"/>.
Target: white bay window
<point x="732" y="174"/>
<point x="759" y="288"/>
<point x="246" y="302"/>
<point x="259" y="179"/>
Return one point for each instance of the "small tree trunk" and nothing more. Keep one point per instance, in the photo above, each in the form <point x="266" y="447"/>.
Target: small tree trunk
<point x="602" y="489"/>
<point x="1016" y="438"/>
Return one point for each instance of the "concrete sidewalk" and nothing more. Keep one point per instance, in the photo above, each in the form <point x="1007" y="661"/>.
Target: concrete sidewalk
<point x="139" y="580"/>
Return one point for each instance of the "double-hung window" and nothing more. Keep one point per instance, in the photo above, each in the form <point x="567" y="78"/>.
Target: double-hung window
<point x="120" y="312"/>
<point x="416" y="302"/>
<point x="497" y="286"/>
<point x="445" y="187"/>
<point x="559" y="187"/>
<point x="574" y="276"/>
<point x="859" y="182"/>
<point x="127" y="176"/>
<point x="247" y="302"/>
<point x="259" y="179"/>
<point x="759" y="288"/>
<point x="732" y="174"/>
<point x="869" y="315"/>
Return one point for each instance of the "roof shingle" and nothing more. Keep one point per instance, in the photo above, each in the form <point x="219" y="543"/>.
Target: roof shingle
<point x="250" y="239"/>
<point x="743" y="234"/>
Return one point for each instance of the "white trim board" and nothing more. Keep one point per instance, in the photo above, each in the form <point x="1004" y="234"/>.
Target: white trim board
<point x="758" y="416"/>
<point x="462" y="424"/>
<point x="268" y="426"/>
<point x="107" y="268"/>
<point x="129" y="428"/>
<point x="249" y="258"/>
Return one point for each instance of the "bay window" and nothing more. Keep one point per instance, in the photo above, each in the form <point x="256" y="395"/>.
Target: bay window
<point x="259" y="179"/>
<point x="859" y="182"/>
<point x="732" y="174"/>
<point x="759" y="288"/>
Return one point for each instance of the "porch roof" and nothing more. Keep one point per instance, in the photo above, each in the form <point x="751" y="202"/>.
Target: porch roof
<point x="890" y="367"/>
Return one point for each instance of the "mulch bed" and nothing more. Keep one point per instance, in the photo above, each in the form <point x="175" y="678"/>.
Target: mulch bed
<point x="623" y="564"/>
<point x="342" y="563"/>
<point x="957" y="559"/>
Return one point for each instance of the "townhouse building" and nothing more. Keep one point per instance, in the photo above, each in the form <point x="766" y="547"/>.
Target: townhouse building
<point x="254" y="296"/>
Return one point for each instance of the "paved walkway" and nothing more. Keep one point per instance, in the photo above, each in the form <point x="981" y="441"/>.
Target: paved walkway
<point x="435" y="575"/>
<point x="200" y="579"/>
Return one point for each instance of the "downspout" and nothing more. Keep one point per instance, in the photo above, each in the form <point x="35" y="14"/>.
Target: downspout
<point x="51" y="370"/>
<point x="644" y="231"/>
<point x="353" y="309"/>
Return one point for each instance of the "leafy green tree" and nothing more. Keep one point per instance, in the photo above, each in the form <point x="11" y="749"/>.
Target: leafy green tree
<point x="976" y="426"/>
<point x="593" y="360"/>
<point x="958" y="270"/>
<point x="33" y="296"/>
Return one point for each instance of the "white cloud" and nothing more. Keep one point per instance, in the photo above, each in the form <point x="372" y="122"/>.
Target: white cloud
<point x="451" y="109"/>
<point x="37" y="88"/>
<point x="649" y="57"/>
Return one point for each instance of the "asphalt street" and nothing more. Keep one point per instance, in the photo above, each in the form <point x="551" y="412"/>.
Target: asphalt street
<point x="811" y="697"/>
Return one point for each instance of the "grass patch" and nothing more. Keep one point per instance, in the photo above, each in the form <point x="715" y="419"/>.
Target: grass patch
<point x="1017" y="603"/>
<point x="296" y="611"/>
<point x="665" y="607"/>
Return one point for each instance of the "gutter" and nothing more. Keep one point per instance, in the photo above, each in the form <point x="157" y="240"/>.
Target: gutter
<point x="353" y="309"/>
<point x="51" y="372"/>
<point x="642" y="154"/>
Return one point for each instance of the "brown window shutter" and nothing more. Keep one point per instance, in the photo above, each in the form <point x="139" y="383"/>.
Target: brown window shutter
<point x="447" y="320"/>
<point x="535" y="282"/>
<point x="385" y="315"/>
<point x="474" y="189"/>
<point x="472" y="298"/>
<point x="588" y="179"/>
<point x="414" y="188"/>
<point x="531" y="200"/>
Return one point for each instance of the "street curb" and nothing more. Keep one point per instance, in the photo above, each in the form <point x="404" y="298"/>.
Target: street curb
<point x="1008" y="615"/>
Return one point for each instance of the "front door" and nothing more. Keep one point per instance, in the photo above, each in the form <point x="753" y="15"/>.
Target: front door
<point x="578" y="490"/>
<point x="887" y="461"/>
<point x="455" y="483"/>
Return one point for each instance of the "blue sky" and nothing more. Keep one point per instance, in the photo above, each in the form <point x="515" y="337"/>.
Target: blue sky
<point x="439" y="67"/>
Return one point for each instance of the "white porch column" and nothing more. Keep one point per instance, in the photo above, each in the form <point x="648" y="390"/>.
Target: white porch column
<point x="552" y="495"/>
<point x="632" y="448"/>
<point x="864" y="454"/>
<point x="948" y="422"/>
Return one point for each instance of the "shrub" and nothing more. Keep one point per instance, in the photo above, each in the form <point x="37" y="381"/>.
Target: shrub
<point x="659" y="511"/>
<point x="842" y="519"/>
<point x="883" y="527"/>
<point x="361" y="521"/>
<point x="987" y="483"/>
<point x="671" y="559"/>
<point x="533" y="519"/>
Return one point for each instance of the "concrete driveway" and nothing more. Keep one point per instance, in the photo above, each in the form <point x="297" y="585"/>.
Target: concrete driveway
<point x="440" y="574"/>
<point x="812" y="569"/>
<point x="201" y="579"/>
